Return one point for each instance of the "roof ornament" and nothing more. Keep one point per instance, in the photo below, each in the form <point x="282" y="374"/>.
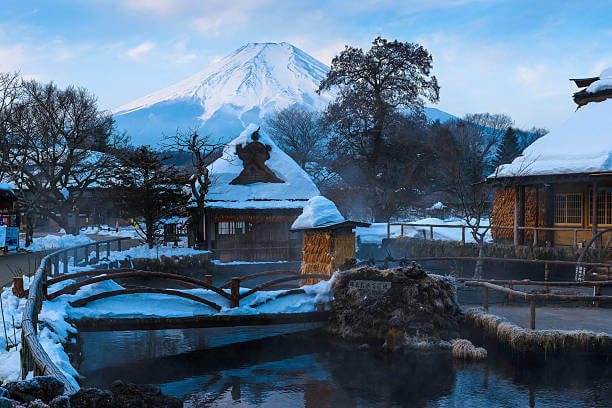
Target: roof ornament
<point x="253" y="156"/>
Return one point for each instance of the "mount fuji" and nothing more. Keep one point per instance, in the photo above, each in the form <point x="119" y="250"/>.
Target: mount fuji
<point x="245" y="86"/>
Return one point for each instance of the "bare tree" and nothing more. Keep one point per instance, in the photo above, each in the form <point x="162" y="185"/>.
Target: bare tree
<point x="467" y="149"/>
<point x="59" y="147"/>
<point x="203" y="149"/>
<point x="299" y="132"/>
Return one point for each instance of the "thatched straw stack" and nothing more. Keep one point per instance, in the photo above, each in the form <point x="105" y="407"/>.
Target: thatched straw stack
<point x="503" y="212"/>
<point x="465" y="350"/>
<point x="318" y="255"/>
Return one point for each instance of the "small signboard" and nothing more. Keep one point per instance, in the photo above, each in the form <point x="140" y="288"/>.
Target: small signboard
<point x="374" y="288"/>
<point x="12" y="238"/>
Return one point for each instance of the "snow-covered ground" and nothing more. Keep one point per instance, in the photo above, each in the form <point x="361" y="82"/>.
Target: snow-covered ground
<point x="375" y="233"/>
<point x="53" y="241"/>
<point x="54" y="314"/>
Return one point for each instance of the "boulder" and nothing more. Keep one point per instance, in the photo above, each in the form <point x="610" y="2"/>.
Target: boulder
<point x="145" y="396"/>
<point x="44" y="388"/>
<point x="391" y="305"/>
<point x="92" y="398"/>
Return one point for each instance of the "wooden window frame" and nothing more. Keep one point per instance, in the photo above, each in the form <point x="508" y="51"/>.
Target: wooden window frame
<point x="564" y="210"/>
<point x="604" y="207"/>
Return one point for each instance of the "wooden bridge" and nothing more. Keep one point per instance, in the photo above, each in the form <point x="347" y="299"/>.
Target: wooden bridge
<point x="34" y="357"/>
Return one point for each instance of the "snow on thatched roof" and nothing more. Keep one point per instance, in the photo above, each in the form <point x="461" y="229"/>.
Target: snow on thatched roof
<point x="583" y="144"/>
<point x="319" y="212"/>
<point x="296" y="190"/>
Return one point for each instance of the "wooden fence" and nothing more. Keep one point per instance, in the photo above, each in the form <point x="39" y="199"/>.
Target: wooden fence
<point x="532" y="297"/>
<point x="33" y="356"/>
<point x="430" y="228"/>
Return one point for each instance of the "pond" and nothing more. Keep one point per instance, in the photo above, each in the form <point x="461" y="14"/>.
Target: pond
<point x="309" y="369"/>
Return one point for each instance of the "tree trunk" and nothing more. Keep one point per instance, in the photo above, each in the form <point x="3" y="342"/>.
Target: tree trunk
<point x="478" y="271"/>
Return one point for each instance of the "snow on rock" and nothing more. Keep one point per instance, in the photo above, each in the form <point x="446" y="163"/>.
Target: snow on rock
<point x="318" y="212"/>
<point x="296" y="190"/>
<point x="52" y="241"/>
<point x="437" y="206"/>
<point x="582" y="144"/>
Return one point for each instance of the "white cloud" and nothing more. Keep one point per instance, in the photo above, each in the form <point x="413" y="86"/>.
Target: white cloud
<point x="186" y="58"/>
<point x="140" y="50"/>
<point x="11" y="58"/>
<point x="530" y="75"/>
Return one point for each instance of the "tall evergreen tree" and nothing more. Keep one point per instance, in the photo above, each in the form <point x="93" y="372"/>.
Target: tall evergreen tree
<point x="508" y="149"/>
<point x="149" y="190"/>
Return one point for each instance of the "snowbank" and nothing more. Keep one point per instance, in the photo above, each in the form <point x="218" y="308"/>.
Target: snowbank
<point x="604" y="82"/>
<point x="375" y="233"/>
<point x="318" y="212"/>
<point x="58" y="241"/>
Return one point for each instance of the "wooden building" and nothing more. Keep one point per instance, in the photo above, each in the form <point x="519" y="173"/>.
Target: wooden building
<point x="329" y="239"/>
<point x="562" y="183"/>
<point x="257" y="192"/>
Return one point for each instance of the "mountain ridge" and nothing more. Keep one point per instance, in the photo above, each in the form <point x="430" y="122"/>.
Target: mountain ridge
<point x="222" y="99"/>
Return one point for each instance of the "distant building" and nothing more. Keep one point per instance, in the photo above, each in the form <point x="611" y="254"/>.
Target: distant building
<point x="257" y="192"/>
<point x="562" y="183"/>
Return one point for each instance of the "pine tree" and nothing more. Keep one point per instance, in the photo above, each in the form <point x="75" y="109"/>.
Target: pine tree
<point x="149" y="190"/>
<point x="508" y="150"/>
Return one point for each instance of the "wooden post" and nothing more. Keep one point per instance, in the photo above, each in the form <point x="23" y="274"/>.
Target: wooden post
<point x="511" y="286"/>
<point x="388" y="230"/>
<point x="97" y="252"/>
<point x="119" y="245"/>
<point x="546" y="273"/>
<point x="463" y="235"/>
<point x="431" y="232"/>
<point x="208" y="279"/>
<point x="596" y="292"/>
<point x="485" y="302"/>
<point x="532" y="314"/>
<point x="516" y="210"/>
<point x="424" y="234"/>
<point x="108" y="244"/>
<point x="535" y="237"/>
<point x="86" y="254"/>
<point x="235" y="292"/>
<point x="65" y="262"/>
<point x="594" y="209"/>
<point x="522" y="216"/>
<point x="575" y="238"/>
<point x="402" y="230"/>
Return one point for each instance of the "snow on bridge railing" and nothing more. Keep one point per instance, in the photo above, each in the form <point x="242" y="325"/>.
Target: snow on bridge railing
<point x="33" y="356"/>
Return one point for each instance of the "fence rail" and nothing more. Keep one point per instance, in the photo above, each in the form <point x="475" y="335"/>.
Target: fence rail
<point x="33" y="356"/>
<point x="463" y="228"/>
<point x="532" y="297"/>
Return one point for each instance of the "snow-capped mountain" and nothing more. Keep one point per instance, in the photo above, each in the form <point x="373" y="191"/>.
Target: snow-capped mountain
<point x="242" y="88"/>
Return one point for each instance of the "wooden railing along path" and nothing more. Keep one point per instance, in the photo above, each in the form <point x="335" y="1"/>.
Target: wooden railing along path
<point x="33" y="356"/>
<point x="533" y="297"/>
<point x="463" y="228"/>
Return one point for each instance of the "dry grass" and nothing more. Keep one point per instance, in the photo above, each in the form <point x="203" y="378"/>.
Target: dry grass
<point x="465" y="350"/>
<point x="539" y="341"/>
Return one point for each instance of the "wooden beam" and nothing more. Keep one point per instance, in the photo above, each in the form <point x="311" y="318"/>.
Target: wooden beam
<point x="199" y="321"/>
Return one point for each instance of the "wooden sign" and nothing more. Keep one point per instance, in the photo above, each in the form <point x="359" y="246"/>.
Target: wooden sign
<point x="374" y="288"/>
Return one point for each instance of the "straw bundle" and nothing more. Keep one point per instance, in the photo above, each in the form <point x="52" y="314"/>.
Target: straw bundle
<point x="465" y="350"/>
<point x="503" y="212"/>
<point x="318" y="255"/>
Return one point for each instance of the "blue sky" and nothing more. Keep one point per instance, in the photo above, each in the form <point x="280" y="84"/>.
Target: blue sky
<point x="512" y="57"/>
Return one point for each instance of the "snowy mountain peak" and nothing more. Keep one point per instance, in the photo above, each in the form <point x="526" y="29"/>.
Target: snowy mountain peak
<point x="242" y="87"/>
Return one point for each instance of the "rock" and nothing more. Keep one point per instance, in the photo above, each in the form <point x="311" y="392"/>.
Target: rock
<point x="92" y="398"/>
<point x="145" y="396"/>
<point x="63" y="401"/>
<point x="7" y="403"/>
<point x="37" y="404"/>
<point x="416" y="306"/>
<point x="4" y="392"/>
<point x="44" y="388"/>
<point x="364" y="347"/>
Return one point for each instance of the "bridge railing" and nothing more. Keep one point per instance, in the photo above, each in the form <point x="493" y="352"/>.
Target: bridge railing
<point x="33" y="356"/>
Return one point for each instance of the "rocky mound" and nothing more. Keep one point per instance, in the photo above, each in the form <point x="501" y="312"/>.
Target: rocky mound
<point x="47" y="392"/>
<point x="394" y="306"/>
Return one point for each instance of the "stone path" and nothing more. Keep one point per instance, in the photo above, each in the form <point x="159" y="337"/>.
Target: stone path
<point x="560" y="318"/>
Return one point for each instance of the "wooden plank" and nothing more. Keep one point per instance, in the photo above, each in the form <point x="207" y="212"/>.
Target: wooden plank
<point x="199" y="321"/>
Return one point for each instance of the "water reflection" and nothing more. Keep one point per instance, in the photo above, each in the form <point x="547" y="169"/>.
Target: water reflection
<point x="311" y="370"/>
